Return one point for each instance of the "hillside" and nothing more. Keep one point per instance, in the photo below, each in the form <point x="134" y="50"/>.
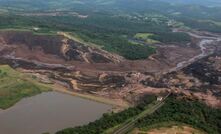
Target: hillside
<point x="156" y="62"/>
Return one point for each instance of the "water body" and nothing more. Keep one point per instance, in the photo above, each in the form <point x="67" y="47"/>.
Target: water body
<point x="49" y="112"/>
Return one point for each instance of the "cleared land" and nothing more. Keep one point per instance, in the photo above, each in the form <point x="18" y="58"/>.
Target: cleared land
<point x="171" y="130"/>
<point x="14" y="86"/>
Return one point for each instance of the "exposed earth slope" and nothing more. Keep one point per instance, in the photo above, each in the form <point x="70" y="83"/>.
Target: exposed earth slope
<point x="90" y="70"/>
<point x="157" y="62"/>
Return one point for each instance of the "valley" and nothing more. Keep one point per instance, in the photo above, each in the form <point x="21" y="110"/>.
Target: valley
<point x="110" y="67"/>
<point x="69" y="66"/>
<point x="92" y="71"/>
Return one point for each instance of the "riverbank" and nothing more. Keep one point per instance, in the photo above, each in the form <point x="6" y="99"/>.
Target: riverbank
<point x="117" y="104"/>
<point x="206" y="47"/>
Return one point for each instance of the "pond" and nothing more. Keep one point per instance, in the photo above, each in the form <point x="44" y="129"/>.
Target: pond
<point x="49" y="112"/>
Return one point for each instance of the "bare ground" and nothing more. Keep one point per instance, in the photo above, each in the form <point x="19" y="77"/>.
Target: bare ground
<point x="171" y="130"/>
<point x="72" y="65"/>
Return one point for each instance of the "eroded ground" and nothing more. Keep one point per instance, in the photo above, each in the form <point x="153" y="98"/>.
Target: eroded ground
<point x="193" y="68"/>
<point x="171" y="130"/>
<point x="199" y="80"/>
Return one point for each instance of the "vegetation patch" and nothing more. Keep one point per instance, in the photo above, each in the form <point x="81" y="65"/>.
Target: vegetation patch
<point x="123" y="47"/>
<point x="178" y="114"/>
<point x="109" y="120"/>
<point x="193" y="113"/>
<point x="205" y="24"/>
<point x="146" y="37"/>
<point x="14" y="86"/>
<point x="171" y="37"/>
<point x="105" y="30"/>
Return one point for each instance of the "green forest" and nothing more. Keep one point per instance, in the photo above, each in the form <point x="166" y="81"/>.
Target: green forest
<point x="174" y="112"/>
<point x="110" y="120"/>
<point x="110" y="32"/>
<point x="190" y="112"/>
<point x="112" y="28"/>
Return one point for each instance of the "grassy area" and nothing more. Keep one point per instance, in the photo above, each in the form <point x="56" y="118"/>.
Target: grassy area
<point x="146" y="37"/>
<point x="40" y="31"/>
<point x="14" y="86"/>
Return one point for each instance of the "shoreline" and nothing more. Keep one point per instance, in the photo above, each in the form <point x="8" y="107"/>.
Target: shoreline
<point x="113" y="103"/>
<point x="116" y="106"/>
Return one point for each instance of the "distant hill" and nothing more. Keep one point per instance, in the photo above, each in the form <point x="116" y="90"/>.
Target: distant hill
<point x="196" y="2"/>
<point x="99" y="4"/>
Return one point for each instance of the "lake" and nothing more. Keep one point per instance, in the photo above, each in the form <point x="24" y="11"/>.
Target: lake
<point x="49" y="112"/>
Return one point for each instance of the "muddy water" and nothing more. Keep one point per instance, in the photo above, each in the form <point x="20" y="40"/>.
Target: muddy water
<point x="203" y="53"/>
<point x="205" y="41"/>
<point x="49" y="112"/>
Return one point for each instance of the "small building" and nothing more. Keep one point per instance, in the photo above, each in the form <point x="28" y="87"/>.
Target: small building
<point x="159" y="98"/>
<point x="36" y="28"/>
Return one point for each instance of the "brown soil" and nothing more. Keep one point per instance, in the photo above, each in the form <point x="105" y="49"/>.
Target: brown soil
<point x="59" y="50"/>
<point x="89" y="70"/>
<point x="171" y="130"/>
